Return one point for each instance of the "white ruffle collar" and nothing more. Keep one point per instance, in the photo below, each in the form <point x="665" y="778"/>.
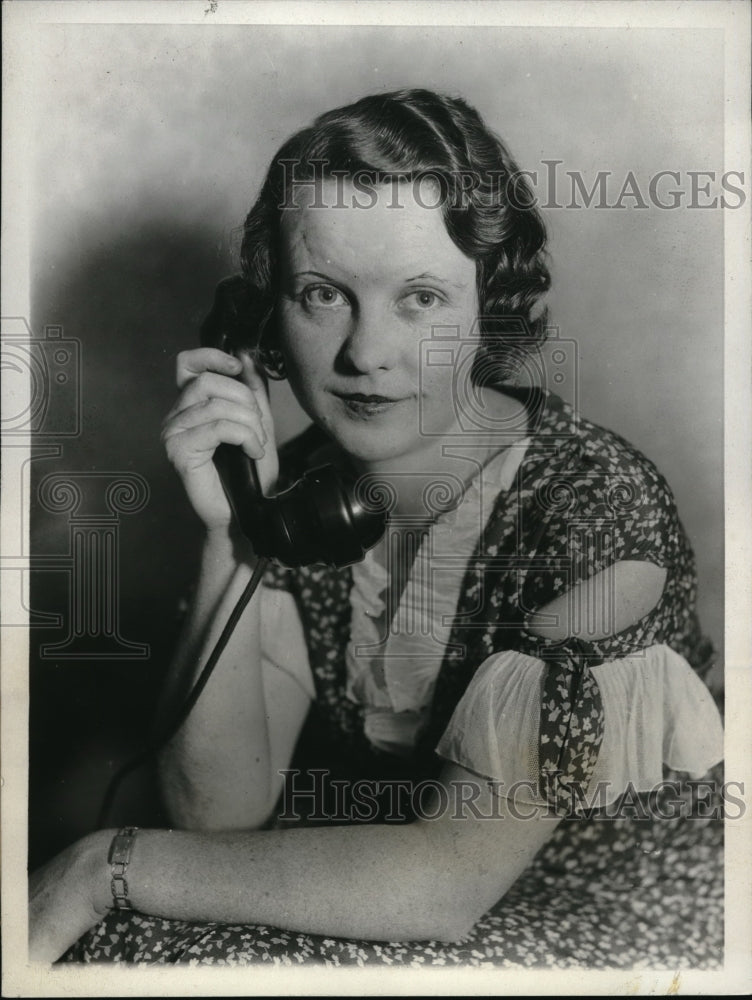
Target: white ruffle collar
<point x="392" y="667"/>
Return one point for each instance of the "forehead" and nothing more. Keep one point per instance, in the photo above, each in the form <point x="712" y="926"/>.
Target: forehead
<point x="381" y="232"/>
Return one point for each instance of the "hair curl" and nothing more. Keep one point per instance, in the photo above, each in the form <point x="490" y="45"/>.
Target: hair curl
<point x="487" y="207"/>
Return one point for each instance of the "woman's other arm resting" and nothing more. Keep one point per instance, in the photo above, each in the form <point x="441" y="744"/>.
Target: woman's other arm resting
<point x="428" y="880"/>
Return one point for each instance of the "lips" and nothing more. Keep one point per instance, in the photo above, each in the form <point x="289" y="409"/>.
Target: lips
<point x="359" y="397"/>
<point x="366" y="405"/>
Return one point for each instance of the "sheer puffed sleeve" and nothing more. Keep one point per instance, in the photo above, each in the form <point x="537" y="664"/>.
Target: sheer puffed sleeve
<point x="652" y="707"/>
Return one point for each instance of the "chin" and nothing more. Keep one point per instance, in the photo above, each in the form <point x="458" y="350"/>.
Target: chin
<point x="367" y="443"/>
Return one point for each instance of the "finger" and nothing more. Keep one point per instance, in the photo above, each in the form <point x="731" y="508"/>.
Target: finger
<point x="268" y="466"/>
<point x="194" y="447"/>
<point x="202" y="359"/>
<point x="210" y="410"/>
<point x="255" y="383"/>
<point x="209" y="385"/>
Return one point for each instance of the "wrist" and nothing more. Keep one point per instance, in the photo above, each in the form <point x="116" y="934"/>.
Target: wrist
<point x="227" y="543"/>
<point x="94" y="850"/>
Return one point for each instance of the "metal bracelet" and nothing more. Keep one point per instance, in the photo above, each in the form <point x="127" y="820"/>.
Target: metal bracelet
<point x="119" y="857"/>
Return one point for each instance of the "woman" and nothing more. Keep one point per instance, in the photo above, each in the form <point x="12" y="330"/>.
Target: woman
<point x="516" y="650"/>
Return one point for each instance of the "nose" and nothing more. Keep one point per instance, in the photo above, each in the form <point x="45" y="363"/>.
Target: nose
<point x="372" y="342"/>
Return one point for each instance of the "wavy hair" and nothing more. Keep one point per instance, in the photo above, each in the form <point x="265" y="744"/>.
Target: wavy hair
<point x="487" y="205"/>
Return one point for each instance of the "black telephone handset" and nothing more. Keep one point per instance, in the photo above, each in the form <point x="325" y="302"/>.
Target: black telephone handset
<point x="318" y="520"/>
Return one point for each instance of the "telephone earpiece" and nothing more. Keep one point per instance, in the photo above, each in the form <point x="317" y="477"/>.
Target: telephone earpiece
<point x="318" y="520"/>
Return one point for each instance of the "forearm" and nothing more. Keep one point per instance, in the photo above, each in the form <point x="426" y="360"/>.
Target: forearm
<point x="429" y="880"/>
<point x="215" y="773"/>
<point x="373" y="882"/>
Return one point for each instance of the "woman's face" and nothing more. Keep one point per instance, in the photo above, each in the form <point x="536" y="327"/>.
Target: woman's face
<point x="361" y="290"/>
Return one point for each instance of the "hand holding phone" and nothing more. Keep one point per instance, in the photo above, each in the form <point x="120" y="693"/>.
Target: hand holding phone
<point x="222" y="401"/>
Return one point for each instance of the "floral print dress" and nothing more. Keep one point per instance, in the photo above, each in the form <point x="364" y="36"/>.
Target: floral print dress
<point x="632" y="880"/>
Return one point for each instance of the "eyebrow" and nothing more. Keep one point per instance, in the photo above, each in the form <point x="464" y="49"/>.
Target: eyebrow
<point x="426" y="275"/>
<point x="435" y="277"/>
<point x="314" y="274"/>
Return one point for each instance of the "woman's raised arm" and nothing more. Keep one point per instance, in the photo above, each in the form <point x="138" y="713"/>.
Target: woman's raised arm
<point x="221" y="770"/>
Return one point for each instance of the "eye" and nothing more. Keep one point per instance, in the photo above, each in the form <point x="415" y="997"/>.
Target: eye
<point x="323" y="296"/>
<point x="424" y="298"/>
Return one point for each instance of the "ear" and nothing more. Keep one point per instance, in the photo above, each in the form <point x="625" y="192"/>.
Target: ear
<point x="267" y="354"/>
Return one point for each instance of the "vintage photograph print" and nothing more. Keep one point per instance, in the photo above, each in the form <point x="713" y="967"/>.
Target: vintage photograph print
<point x="376" y="538"/>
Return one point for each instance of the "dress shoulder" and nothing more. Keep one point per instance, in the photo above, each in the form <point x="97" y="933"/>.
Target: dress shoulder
<point x="598" y="484"/>
<point x="587" y="499"/>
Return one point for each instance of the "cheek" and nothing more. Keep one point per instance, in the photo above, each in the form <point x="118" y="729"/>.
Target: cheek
<point x="296" y="342"/>
<point x="305" y="370"/>
<point x="305" y="340"/>
<point x="438" y="378"/>
<point x="308" y="360"/>
<point x="437" y="383"/>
